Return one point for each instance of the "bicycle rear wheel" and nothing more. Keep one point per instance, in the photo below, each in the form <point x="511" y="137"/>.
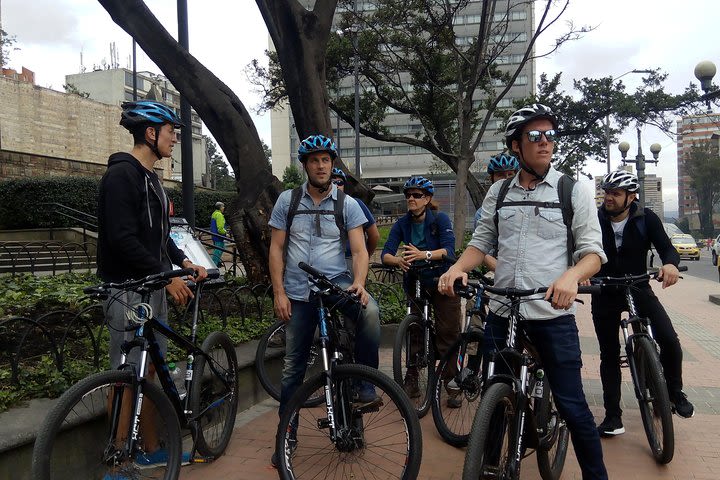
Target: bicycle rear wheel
<point x="81" y="437"/>
<point x="489" y="444"/>
<point x="269" y="361"/>
<point x="377" y="439"/>
<point x="654" y="401"/>
<point x="413" y="364"/>
<point x="454" y="409"/>
<point x="553" y="437"/>
<point x="214" y="395"/>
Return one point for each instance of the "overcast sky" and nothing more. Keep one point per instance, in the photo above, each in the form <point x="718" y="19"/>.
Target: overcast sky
<point x="226" y="35"/>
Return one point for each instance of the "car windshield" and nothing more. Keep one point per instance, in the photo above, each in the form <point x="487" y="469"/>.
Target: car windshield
<point x="682" y="240"/>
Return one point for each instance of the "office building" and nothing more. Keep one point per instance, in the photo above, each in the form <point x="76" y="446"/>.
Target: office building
<point x="693" y="129"/>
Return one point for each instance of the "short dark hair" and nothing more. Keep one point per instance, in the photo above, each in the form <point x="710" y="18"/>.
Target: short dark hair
<point x="139" y="134"/>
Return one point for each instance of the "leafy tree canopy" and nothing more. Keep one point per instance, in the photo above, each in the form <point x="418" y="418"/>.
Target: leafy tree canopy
<point x="703" y="166"/>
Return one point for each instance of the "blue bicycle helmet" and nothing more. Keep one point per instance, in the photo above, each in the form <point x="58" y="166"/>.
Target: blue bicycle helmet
<point x="502" y="162"/>
<point x="420" y="183"/>
<point x="336" y="172"/>
<point x="316" y="143"/>
<point x="146" y="112"/>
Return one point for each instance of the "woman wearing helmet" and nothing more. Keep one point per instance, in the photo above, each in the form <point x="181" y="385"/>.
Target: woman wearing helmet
<point x="628" y="231"/>
<point x="427" y="234"/>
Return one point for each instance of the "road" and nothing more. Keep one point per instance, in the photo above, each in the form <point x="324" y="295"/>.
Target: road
<point x="701" y="269"/>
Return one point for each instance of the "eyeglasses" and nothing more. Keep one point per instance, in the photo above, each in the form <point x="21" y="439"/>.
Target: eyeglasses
<point x="414" y="195"/>
<point x="535" y="135"/>
<point x="339" y="182"/>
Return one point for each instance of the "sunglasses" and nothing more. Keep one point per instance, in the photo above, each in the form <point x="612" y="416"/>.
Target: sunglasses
<point x="535" y="135"/>
<point x="338" y="182"/>
<point x="414" y="195"/>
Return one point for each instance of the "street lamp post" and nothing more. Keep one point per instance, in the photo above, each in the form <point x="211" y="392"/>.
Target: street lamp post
<point x="705" y="71"/>
<point x="607" y="118"/>
<point x="640" y="162"/>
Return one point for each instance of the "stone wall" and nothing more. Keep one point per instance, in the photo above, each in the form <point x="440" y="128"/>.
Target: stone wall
<point x="44" y="132"/>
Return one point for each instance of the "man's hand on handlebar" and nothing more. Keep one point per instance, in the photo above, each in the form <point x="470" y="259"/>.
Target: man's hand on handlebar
<point x="359" y="290"/>
<point x="669" y="274"/>
<point x="447" y="280"/>
<point x="178" y="289"/>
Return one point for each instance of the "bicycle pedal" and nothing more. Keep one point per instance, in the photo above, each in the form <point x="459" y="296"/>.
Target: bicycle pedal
<point x="323" y="423"/>
<point x="371" y="407"/>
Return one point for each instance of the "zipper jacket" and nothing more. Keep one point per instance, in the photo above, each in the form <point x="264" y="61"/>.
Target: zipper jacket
<point x="133" y="221"/>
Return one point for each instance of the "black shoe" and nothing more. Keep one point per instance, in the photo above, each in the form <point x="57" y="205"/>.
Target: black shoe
<point x="611" y="426"/>
<point x="681" y="405"/>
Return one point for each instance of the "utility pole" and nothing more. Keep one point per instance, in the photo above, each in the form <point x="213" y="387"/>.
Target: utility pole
<point x="186" y="117"/>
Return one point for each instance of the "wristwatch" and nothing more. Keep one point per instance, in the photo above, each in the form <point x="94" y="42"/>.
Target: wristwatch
<point x="428" y="254"/>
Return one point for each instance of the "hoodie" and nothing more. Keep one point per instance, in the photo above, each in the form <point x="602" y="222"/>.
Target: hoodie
<point x="133" y="223"/>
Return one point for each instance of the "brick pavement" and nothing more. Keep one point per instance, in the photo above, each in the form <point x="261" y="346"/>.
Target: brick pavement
<point x="697" y="440"/>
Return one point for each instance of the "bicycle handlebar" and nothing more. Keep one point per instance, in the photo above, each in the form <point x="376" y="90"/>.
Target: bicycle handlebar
<point x="629" y="279"/>
<point x="324" y="283"/>
<point x="471" y="289"/>
<point x="154" y="282"/>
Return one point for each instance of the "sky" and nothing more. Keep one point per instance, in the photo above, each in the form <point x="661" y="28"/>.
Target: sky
<point x="225" y="35"/>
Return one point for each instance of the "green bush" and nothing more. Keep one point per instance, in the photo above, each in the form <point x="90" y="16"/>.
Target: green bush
<point x="21" y="201"/>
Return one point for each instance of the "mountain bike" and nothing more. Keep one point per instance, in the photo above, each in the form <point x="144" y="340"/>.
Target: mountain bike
<point x="346" y="437"/>
<point x="457" y="383"/>
<point x="642" y="358"/>
<point x="517" y="410"/>
<point x="414" y="351"/>
<point x="102" y="413"/>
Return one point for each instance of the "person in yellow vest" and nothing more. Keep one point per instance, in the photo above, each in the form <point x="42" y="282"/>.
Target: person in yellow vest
<point x="217" y="225"/>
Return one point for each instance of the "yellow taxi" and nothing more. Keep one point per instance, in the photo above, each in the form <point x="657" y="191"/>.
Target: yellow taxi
<point x="686" y="246"/>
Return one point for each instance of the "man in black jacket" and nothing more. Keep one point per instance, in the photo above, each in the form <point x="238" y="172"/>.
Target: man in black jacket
<point x="627" y="233"/>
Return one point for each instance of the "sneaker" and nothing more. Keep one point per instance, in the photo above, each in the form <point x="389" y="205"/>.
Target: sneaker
<point x="455" y="399"/>
<point x="453" y="385"/>
<point x="366" y="394"/>
<point x="158" y="458"/>
<point x="275" y="459"/>
<point x="411" y="387"/>
<point x="682" y="406"/>
<point x="611" y="426"/>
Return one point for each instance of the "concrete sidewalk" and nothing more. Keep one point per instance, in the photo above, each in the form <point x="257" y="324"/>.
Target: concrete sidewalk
<point x="697" y="440"/>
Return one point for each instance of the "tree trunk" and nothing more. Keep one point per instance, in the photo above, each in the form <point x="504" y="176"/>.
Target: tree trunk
<point x="227" y="119"/>
<point x="300" y="37"/>
<point x="461" y="213"/>
<point x="705" y="214"/>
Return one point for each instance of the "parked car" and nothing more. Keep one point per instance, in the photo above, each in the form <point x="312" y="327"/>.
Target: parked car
<point x="686" y="246"/>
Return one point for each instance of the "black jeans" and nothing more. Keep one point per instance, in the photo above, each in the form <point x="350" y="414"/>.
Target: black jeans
<point x="558" y="346"/>
<point x="606" y="310"/>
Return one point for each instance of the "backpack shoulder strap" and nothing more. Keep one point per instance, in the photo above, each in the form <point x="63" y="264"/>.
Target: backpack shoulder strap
<point x="565" y="190"/>
<point x="642" y="227"/>
<point x="501" y="198"/>
<point x="340" y="217"/>
<point x="295" y="198"/>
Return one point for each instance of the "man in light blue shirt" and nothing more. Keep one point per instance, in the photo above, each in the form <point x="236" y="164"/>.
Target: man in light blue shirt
<point x="314" y="237"/>
<point x="533" y="251"/>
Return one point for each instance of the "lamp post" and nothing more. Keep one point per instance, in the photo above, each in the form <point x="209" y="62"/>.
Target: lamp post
<point x="607" y="118"/>
<point x="358" y="171"/>
<point x="705" y="71"/>
<point x="640" y="162"/>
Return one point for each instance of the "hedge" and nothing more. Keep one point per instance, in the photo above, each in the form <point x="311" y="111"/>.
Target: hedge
<point x="21" y="201"/>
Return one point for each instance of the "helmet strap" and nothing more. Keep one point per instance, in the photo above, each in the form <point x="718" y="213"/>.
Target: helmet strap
<point x="419" y="214"/>
<point x="620" y="212"/>
<point x="529" y="169"/>
<point x="154" y="147"/>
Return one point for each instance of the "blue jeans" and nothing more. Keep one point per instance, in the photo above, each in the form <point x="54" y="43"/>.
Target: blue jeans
<point x="301" y="329"/>
<point x="558" y="346"/>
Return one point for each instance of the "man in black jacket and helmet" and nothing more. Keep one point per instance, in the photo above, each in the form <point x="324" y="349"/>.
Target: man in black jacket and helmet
<point x="627" y="233"/>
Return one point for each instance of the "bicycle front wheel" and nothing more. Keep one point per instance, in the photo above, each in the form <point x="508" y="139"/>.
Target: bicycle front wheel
<point x="456" y="391"/>
<point x="413" y="364"/>
<point x="214" y="395"/>
<point x="269" y="361"/>
<point x="374" y="439"/>
<point x="553" y="437"/>
<point x="654" y="401"/>
<point x="84" y="435"/>
<point x="489" y="444"/>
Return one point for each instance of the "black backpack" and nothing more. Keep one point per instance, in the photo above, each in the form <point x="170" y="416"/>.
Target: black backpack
<point x="565" y="189"/>
<point x="338" y="213"/>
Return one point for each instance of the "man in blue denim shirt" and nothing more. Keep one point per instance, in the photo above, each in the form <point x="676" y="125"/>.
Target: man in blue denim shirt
<point x="314" y="238"/>
<point x="533" y="252"/>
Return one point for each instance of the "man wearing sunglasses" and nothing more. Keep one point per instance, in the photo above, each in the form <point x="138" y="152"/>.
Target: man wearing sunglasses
<point x="533" y="251"/>
<point x="372" y="234"/>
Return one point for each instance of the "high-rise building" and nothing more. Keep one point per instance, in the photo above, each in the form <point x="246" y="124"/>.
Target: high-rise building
<point x="652" y="190"/>
<point x="114" y="86"/>
<point x="388" y="163"/>
<point x="692" y="129"/>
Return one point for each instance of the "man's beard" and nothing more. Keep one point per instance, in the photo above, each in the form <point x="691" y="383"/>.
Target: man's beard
<point x="323" y="187"/>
